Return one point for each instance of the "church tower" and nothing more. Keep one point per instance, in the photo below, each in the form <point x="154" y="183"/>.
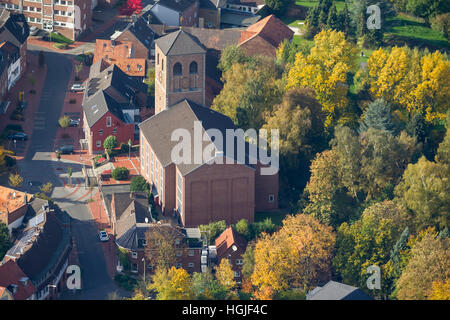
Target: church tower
<point x="179" y="70"/>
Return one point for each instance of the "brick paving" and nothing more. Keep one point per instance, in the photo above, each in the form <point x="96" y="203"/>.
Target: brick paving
<point x="31" y="116"/>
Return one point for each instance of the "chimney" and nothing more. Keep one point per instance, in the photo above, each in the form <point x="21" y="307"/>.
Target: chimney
<point x="113" y="43"/>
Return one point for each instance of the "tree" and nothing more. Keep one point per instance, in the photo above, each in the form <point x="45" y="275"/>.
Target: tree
<point x="47" y="188"/>
<point x="443" y="152"/>
<point x="325" y="70"/>
<point x="427" y="8"/>
<point x="172" y="284"/>
<point x="366" y="242"/>
<point x="424" y="190"/>
<point x="243" y="227"/>
<point x="378" y="116"/>
<point x="232" y="55"/>
<point x="440" y="290"/>
<point x="248" y="261"/>
<point x="429" y="263"/>
<point x="110" y="143"/>
<point x="333" y="20"/>
<point x="15" y="180"/>
<point x="120" y="173"/>
<point x="213" y="229"/>
<point x="225" y="274"/>
<point x="131" y="7"/>
<point x="4" y="239"/>
<point x="344" y="22"/>
<point x="278" y="6"/>
<point x="162" y="246"/>
<point x="296" y="256"/>
<point x="206" y="287"/>
<point x="64" y="122"/>
<point x="4" y="156"/>
<point x="139" y="184"/>
<point x="150" y="81"/>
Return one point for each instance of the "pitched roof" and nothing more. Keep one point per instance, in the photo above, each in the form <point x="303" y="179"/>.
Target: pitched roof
<point x="179" y="43"/>
<point x="337" y="291"/>
<point x="250" y="3"/>
<point x="183" y="115"/>
<point x="141" y="30"/>
<point x="236" y="18"/>
<point x="11" y="274"/>
<point x="16" y="25"/>
<point x="177" y="5"/>
<point x="227" y="239"/>
<point x="271" y="29"/>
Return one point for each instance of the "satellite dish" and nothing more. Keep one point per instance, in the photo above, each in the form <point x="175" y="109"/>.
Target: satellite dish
<point x="146" y="220"/>
<point x="234" y="247"/>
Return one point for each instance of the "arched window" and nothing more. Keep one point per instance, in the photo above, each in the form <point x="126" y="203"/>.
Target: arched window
<point x="193" y="67"/>
<point x="177" y="70"/>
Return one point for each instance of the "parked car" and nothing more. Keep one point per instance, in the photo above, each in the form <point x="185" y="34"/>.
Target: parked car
<point x="74" y="123"/>
<point x="65" y="149"/>
<point x="34" y="30"/>
<point x="103" y="235"/>
<point x="77" y="87"/>
<point x="18" y="136"/>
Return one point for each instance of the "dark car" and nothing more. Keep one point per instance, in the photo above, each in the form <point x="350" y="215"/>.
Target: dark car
<point x="18" y="136"/>
<point x="65" y="149"/>
<point x="74" y="123"/>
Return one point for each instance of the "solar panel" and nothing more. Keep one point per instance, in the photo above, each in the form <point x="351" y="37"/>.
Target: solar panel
<point x="35" y="221"/>
<point x="21" y="243"/>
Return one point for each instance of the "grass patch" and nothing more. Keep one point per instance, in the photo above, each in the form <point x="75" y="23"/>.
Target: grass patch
<point x="276" y="217"/>
<point x="59" y="38"/>
<point x="404" y="29"/>
<point x="302" y="41"/>
<point x="313" y="3"/>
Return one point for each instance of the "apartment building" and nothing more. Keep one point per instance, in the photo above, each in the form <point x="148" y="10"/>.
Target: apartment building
<point x="67" y="17"/>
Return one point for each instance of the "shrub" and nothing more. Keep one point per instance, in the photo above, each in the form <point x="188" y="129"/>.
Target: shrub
<point x="138" y="184"/>
<point x="120" y="173"/>
<point x="110" y="143"/>
<point x="10" y="161"/>
<point x="61" y="46"/>
<point x="213" y="229"/>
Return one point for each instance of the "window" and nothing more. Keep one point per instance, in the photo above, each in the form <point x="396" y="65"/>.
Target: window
<point x="239" y="262"/>
<point x="191" y="253"/>
<point x="191" y="265"/>
<point x="177" y="69"/>
<point x="151" y="168"/>
<point x="178" y="265"/>
<point x="108" y="121"/>
<point x="150" y="267"/>
<point x="177" y="241"/>
<point x="98" y="144"/>
<point x="146" y="162"/>
<point x="134" y="254"/>
<point x="134" y="267"/>
<point x="162" y="64"/>
<point x="193" y="67"/>
<point x="237" y="274"/>
<point x="157" y="58"/>
<point x="271" y="198"/>
<point x="100" y="132"/>
<point x="114" y="130"/>
<point x="179" y="253"/>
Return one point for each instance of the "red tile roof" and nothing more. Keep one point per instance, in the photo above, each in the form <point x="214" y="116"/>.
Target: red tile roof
<point x="10" y="273"/>
<point x="271" y="29"/>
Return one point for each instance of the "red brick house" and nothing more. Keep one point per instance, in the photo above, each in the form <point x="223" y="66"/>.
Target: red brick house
<point x="111" y="105"/>
<point x="201" y="192"/>
<point x="15" y="282"/>
<point x="176" y="12"/>
<point x="131" y="220"/>
<point x="231" y="245"/>
<point x="13" y="207"/>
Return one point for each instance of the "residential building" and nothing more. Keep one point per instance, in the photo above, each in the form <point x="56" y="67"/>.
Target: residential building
<point x="111" y="105"/>
<point x="179" y="69"/>
<point x="209" y="13"/>
<point x="176" y="12"/>
<point x="132" y="221"/>
<point x="68" y="17"/>
<point x="199" y="191"/>
<point x="337" y="291"/>
<point x="120" y="53"/>
<point x="14" y="284"/>
<point x="247" y="6"/>
<point x="231" y="245"/>
<point x="42" y="250"/>
<point x="14" y="205"/>
<point x="14" y="32"/>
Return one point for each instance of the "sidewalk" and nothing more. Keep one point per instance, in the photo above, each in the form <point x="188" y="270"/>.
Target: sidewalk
<point x="24" y="84"/>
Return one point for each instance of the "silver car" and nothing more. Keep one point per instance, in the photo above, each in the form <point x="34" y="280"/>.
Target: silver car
<point x="76" y="87"/>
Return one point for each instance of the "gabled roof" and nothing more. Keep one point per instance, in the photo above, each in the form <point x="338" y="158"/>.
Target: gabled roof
<point x="271" y="29"/>
<point x="337" y="291"/>
<point x="227" y="239"/>
<point x="236" y="18"/>
<point x="11" y="274"/>
<point x="176" y="5"/>
<point x="141" y="30"/>
<point x="179" y="43"/>
<point x="16" y="25"/>
<point x="158" y="130"/>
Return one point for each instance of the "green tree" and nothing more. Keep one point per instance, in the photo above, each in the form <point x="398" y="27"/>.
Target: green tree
<point x="243" y="227"/>
<point x="213" y="229"/>
<point x="139" y="184"/>
<point x="232" y="55"/>
<point x="206" y="287"/>
<point x="15" y="180"/>
<point x="344" y="21"/>
<point x="427" y="8"/>
<point x="4" y="240"/>
<point x="120" y="173"/>
<point x="278" y="6"/>
<point x="150" y="81"/>
<point x="110" y="143"/>
<point x="377" y="115"/>
<point x="333" y="20"/>
<point x="69" y="174"/>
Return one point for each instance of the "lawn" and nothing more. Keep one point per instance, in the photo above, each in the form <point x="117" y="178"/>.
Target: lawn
<point x="276" y="217"/>
<point x="404" y="29"/>
<point x="312" y="3"/>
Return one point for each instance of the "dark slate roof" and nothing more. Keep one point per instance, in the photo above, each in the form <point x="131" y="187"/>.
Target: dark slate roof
<point x="337" y="291"/>
<point x="102" y="87"/>
<point x="158" y="130"/>
<point x="250" y="3"/>
<point x="49" y="250"/>
<point x="180" y="43"/>
<point x="141" y="29"/>
<point x="208" y="4"/>
<point x="15" y="24"/>
<point x="239" y="19"/>
<point x="176" y="5"/>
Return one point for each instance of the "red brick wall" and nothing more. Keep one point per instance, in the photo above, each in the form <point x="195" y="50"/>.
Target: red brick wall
<point x="139" y="50"/>
<point x="258" y="46"/>
<point x="190" y="16"/>
<point x="265" y="185"/>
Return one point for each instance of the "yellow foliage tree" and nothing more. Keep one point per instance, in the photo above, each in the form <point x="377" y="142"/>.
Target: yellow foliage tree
<point x="440" y="290"/>
<point x="296" y="256"/>
<point x="225" y="274"/>
<point x="325" y="70"/>
<point x="172" y="284"/>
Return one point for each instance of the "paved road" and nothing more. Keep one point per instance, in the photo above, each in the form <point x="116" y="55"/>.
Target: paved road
<point x="38" y="168"/>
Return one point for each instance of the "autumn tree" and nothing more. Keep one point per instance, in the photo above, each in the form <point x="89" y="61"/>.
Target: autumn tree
<point x="47" y="187"/>
<point x="15" y="180"/>
<point x="296" y="256"/>
<point x="440" y="290"/>
<point x="172" y="284"/>
<point x="232" y="55"/>
<point x="163" y="242"/>
<point x="325" y="70"/>
<point x="64" y="122"/>
<point x="206" y="287"/>
<point x="429" y="263"/>
<point x="225" y="274"/>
